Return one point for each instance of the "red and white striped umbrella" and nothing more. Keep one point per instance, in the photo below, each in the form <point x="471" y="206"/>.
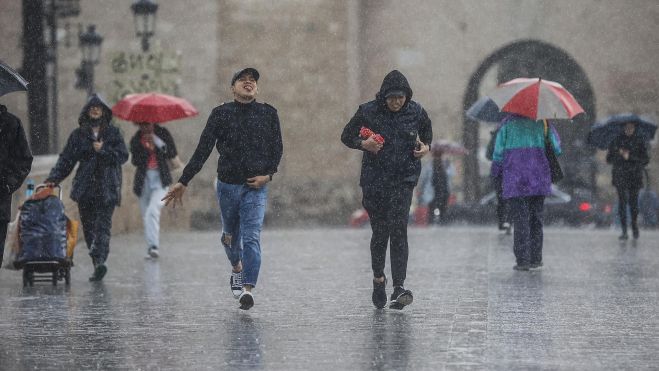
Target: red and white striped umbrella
<point x="536" y="99"/>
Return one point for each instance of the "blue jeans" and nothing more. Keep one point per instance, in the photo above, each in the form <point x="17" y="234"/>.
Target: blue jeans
<point x="242" y="209"/>
<point x="526" y="213"/>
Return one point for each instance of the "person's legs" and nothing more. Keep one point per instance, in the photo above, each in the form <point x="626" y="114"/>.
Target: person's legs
<point x="151" y="215"/>
<point x="374" y="203"/>
<point x="633" y="208"/>
<point x="399" y="209"/>
<point x="622" y="210"/>
<point x="3" y="236"/>
<point x="228" y="196"/>
<point x="522" y="235"/>
<point x="252" y="213"/>
<point x="536" y="207"/>
<point x="400" y="202"/>
<point x="102" y="232"/>
<point x="86" y="211"/>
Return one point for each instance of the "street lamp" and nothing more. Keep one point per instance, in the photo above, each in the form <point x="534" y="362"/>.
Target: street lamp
<point x="90" y="47"/>
<point x="144" y="13"/>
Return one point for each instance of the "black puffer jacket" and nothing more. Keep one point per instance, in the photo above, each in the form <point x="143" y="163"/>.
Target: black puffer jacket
<point x="140" y="157"/>
<point x="628" y="173"/>
<point x="98" y="178"/>
<point x="395" y="162"/>
<point x="15" y="159"/>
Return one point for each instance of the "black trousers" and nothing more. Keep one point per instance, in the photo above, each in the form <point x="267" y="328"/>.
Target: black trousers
<point x="3" y="236"/>
<point x="628" y="196"/>
<point x="96" y="221"/>
<point x="388" y="209"/>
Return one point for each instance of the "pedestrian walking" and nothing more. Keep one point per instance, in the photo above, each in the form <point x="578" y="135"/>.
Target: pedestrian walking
<point x="628" y="156"/>
<point x="519" y="159"/>
<point x="151" y="148"/>
<point x="390" y="170"/>
<point x="99" y="149"/>
<point x="247" y="136"/>
<point x="15" y="165"/>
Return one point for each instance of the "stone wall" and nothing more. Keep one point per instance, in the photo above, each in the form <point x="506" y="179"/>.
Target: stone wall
<point x="319" y="59"/>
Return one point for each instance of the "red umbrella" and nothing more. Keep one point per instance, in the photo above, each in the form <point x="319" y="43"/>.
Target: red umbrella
<point x="536" y="99"/>
<point x="444" y="147"/>
<point x="153" y="108"/>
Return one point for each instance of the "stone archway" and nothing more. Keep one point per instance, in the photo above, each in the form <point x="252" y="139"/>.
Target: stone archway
<point x="533" y="58"/>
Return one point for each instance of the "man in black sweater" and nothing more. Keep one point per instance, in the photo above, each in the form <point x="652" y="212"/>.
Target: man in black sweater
<point x="247" y="136"/>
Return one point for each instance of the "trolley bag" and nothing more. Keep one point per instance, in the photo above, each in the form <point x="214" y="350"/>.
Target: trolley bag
<point x="42" y="230"/>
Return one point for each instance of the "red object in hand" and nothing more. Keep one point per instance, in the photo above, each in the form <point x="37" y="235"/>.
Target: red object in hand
<point x="365" y="133"/>
<point x="378" y="138"/>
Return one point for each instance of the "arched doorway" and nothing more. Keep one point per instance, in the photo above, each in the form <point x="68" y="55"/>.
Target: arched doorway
<point x="532" y="58"/>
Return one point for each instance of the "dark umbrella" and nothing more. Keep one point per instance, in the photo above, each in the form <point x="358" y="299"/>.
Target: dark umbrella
<point x="602" y="133"/>
<point x="10" y="80"/>
<point x="485" y="110"/>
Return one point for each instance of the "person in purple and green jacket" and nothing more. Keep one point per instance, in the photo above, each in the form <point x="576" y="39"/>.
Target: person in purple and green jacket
<point x="519" y="159"/>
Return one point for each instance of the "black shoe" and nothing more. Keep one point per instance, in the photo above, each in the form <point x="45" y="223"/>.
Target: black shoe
<point x="99" y="272"/>
<point x="623" y="237"/>
<point x="246" y="300"/>
<point x="522" y="267"/>
<point x="635" y="233"/>
<point x="535" y="265"/>
<point x="380" y="294"/>
<point x="400" y="298"/>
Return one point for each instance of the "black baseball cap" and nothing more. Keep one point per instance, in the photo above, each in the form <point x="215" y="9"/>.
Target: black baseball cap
<point x="245" y="71"/>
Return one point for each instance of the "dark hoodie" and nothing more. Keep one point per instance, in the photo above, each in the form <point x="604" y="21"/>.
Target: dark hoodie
<point x="15" y="159"/>
<point x="98" y="178"/>
<point x="395" y="162"/>
<point x="628" y="173"/>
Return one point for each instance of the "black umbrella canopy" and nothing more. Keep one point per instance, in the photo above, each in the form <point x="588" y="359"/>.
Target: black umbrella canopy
<point x="10" y="80"/>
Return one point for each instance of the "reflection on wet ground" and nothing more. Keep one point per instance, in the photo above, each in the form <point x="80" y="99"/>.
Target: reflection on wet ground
<point x="593" y="306"/>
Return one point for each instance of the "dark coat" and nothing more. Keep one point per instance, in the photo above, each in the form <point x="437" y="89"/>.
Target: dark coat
<point x="98" y="178"/>
<point x="627" y="173"/>
<point x="247" y="137"/>
<point x="140" y="156"/>
<point x="395" y="162"/>
<point x="15" y="159"/>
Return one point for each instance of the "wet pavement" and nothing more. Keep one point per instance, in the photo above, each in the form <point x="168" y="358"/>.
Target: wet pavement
<point x="593" y="306"/>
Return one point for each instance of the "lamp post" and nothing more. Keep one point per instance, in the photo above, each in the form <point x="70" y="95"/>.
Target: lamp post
<point x="90" y="47"/>
<point x="144" y="13"/>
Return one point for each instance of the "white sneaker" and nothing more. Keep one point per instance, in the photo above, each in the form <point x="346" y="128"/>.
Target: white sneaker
<point x="236" y="283"/>
<point x="246" y="300"/>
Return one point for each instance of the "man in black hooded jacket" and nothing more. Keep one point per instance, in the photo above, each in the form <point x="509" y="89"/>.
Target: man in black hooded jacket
<point x="390" y="171"/>
<point x="100" y="149"/>
<point x="15" y="165"/>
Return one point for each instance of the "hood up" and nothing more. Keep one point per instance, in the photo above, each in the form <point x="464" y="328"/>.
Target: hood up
<point x="394" y="80"/>
<point x="95" y="100"/>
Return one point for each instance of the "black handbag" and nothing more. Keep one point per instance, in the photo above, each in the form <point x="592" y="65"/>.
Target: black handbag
<point x="554" y="165"/>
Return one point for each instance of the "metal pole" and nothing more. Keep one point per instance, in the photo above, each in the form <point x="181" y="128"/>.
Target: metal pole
<point x="34" y="70"/>
<point x="89" y="67"/>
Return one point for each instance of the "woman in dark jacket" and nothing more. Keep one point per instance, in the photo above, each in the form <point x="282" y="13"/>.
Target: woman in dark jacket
<point x="390" y="170"/>
<point x="99" y="148"/>
<point x="150" y="148"/>
<point x="628" y="155"/>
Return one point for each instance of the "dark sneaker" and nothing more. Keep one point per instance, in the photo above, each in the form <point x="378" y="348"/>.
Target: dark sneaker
<point x="535" y="266"/>
<point x="635" y="233"/>
<point x="623" y="237"/>
<point x="236" y="283"/>
<point x="400" y="298"/>
<point x="153" y="252"/>
<point x="380" y="294"/>
<point x="522" y="267"/>
<point x="99" y="272"/>
<point x="246" y="300"/>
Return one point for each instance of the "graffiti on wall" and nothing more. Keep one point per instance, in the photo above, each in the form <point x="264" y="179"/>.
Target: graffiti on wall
<point x="134" y="72"/>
